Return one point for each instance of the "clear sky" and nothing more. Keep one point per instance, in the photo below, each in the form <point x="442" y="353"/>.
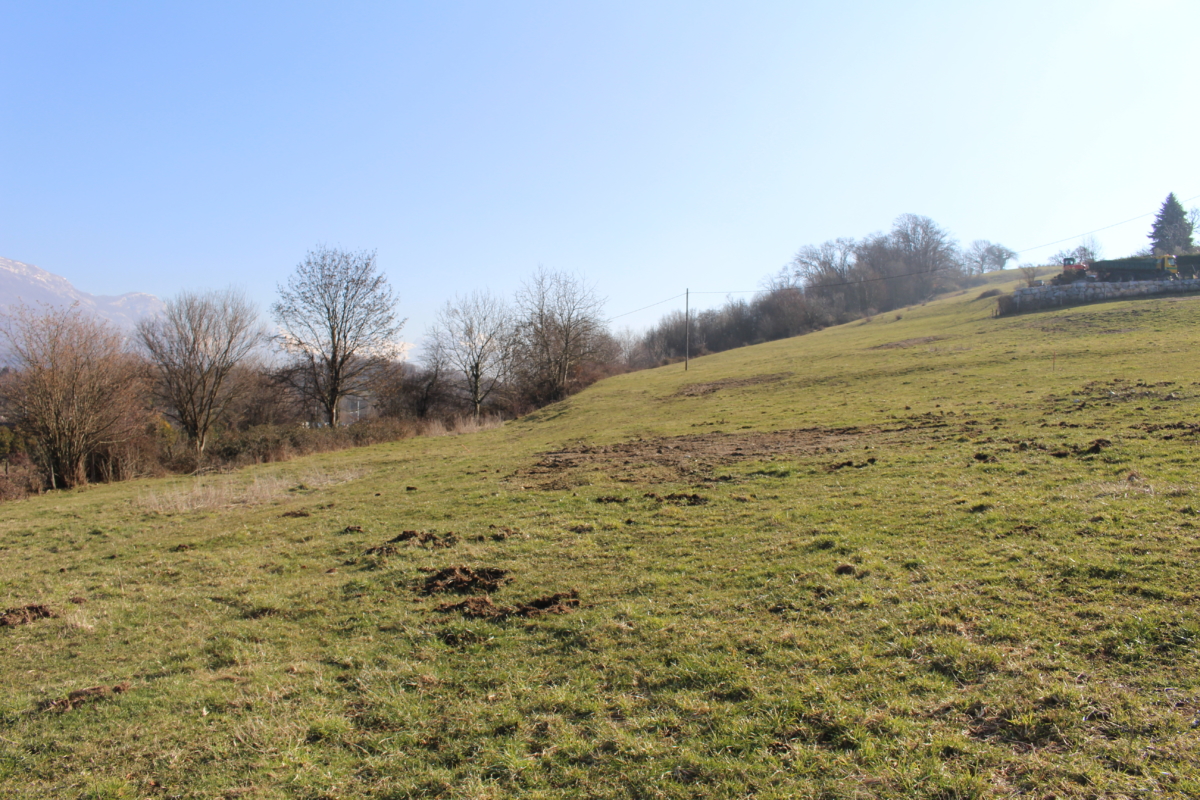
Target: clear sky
<point x="648" y="146"/>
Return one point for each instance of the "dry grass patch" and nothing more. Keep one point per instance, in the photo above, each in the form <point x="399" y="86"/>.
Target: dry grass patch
<point x="233" y="491"/>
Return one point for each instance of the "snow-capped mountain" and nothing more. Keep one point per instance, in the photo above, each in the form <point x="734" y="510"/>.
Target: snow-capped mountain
<point x="29" y="285"/>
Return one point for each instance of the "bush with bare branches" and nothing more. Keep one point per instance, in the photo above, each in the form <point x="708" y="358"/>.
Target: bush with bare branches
<point x="196" y="345"/>
<point x="76" y="391"/>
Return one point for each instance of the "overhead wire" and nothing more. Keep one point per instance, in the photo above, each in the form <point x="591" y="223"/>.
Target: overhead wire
<point x="901" y="275"/>
<point x="643" y="308"/>
<point x="757" y="291"/>
<point x="1097" y="230"/>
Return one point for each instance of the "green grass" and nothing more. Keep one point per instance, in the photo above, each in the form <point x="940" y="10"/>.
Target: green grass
<point x="998" y="604"/>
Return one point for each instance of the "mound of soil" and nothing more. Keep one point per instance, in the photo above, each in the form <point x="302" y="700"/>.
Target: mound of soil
<point x="427" y="537"/>
<point x="300" y="513"/>
<point x="678" y="498"/>
<point x="388" y="548"/>
<point x="22" y="615"/>
<point x="502" y="532"/>
<point x="844" y="464"/>
<point x="482" y="607"/>
<point x="461" y="580"/>
<point x="80" y="697"/>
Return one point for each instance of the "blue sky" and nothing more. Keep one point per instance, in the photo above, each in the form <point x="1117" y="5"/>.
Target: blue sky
<point x="648" y="146"/>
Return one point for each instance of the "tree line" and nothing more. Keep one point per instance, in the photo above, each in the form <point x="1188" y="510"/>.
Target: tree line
<point x="205" y="384"/>
<point x="828" y="284"/>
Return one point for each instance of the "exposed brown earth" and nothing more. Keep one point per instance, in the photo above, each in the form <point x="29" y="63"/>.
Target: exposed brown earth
<point x="22" y="615"/>
<point x="482" y="607"/>
<point x="430" y="538"/>
<point x="668" y="459"/>
<point x="701" y="389"/>
<point x="461" y="580"/>
<point x="907" y="343"/>
<point x="502" y="532"/>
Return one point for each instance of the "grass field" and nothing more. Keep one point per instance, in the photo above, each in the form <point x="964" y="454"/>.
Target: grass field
<point x="934" y="554"/>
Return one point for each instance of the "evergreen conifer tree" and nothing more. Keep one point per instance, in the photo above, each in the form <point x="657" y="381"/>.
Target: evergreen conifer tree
<point x="1172" y="231"/>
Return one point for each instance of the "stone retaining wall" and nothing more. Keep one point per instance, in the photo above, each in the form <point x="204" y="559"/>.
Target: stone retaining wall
<point x="1032" y="298"/>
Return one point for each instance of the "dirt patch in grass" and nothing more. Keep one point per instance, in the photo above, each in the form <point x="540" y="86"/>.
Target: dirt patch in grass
<point x="501" y="532"/>
<point x="845" y="464"/>
<point x="23" y="615"/>
<point x="678" y="498"/>
<point x="920" y="340"/>
<point x="462" y="580"/>
<point x="665" y="459"/>
<point x="482" y="607"/>
<point x="430" y="538"/>
<point x="1119" y="390"/>
<point x="702" y="389"/>
<point x="81" y="697"/>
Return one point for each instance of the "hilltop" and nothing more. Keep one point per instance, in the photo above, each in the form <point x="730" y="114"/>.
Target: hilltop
<point x="933" y="553"/>
<point x="26" y="284"/>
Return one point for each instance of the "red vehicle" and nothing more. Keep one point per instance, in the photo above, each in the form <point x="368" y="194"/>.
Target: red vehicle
<point x="1072" y="271"/>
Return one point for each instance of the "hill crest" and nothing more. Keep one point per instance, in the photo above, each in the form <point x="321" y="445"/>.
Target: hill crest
<point x="22" y="283"/>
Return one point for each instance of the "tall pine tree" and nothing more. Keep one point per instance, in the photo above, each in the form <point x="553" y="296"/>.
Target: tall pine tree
<point x="1172" y="232"/>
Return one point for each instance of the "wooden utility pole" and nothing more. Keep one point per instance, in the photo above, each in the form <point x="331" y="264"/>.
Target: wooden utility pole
<point x="687" y="327"/>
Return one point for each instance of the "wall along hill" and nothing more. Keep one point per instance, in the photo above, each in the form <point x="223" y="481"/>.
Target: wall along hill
<point x="933" y="554"/>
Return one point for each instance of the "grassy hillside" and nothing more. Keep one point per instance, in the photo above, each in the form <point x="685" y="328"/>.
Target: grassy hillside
<point x="933" y="554"/>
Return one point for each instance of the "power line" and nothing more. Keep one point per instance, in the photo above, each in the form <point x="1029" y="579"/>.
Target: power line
<point x="1097" y="230"/>
<point x="643" y="308"/>
<point x="816" y="287"/>
<point x="830" y="285"/>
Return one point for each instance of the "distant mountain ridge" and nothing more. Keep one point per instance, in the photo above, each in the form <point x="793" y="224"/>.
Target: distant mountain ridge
<point x="26" y="284"/>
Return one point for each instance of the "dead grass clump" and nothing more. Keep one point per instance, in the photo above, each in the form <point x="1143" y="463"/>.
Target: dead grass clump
<point x="81" y="697"/>
<point x="459" y="425"/>
<point x="23" y="615"/>
<point x="461" y="580"/>
<point x="212" y="493"/>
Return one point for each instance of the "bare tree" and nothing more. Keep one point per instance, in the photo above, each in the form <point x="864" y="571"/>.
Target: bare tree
<point x="1087" y="252"/>
<point x="830" y="263"/>
<point x="75" y="390"/>
<point x="558" y="322"/>
<point x="474" y="333"/>
<point x="984" y="256"/>
<point x="339" y="323"/>
<point x="196" y="344"/>
<point x="1029" y="273"/>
